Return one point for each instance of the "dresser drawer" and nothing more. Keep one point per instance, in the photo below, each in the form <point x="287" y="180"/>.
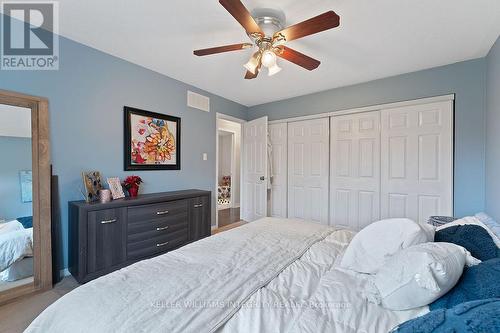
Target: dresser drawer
<point x="140" y="247"/>
<point x="158" y="224"/>
<point x="165" y="210"/>
<point x="141" y="231"/>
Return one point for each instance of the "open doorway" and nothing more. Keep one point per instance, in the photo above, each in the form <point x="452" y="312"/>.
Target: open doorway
<point x="228" y="172"/>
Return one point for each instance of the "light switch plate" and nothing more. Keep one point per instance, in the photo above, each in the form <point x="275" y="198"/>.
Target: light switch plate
<point x="205" y="156"/>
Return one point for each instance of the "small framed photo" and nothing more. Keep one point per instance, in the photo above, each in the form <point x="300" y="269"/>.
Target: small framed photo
<point x="152" y="141"/>
<point x="116" y="188"/>
<point x="92" y="184"/>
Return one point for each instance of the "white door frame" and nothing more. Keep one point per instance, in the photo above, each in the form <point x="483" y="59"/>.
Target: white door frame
<point x="218" y="116"/>
<point x="375" y="107"/>
<point x="232" y="161"/>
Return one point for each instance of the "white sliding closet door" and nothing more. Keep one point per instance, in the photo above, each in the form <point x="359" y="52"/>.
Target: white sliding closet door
<point x="417" y="161"/>
<point x="308" y="160"/>
<point x="254" y="195"/>
<point x="278" y="201"/>
<point x="355" y="169"/>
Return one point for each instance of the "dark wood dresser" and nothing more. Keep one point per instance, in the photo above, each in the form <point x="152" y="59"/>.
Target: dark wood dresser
<point x="104" y="237"/>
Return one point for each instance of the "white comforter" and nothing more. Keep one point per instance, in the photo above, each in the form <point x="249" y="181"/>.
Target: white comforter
<point x="272" y="275"/>
<point x="15" y="243"/>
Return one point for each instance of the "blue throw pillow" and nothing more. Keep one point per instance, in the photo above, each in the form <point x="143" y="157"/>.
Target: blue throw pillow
<point x="26" y="221"/>
<point x="477" y="282"/>
<point x="470" y="317"/>
<point x="474" y="238"/>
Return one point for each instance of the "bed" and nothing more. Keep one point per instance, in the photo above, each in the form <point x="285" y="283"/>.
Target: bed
<point x="16" y="251"/>
<point x="272" y="275"/>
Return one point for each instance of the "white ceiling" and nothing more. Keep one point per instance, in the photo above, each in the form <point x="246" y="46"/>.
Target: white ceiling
<point x="376" y="39"/>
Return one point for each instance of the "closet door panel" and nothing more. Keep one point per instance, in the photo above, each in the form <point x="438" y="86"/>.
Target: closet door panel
<point x="417" y="161"/>
<point x="355" y="169"/>
<point x="308" y="168"/>
<point x="278" y="134"/>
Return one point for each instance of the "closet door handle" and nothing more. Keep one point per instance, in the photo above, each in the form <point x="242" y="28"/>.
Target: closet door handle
<point x="162" y="228"/>
<point x="262" y="178"/>
<point x="198" y="206"/>
<point x="108" y="221"/>
<point x="162" y="212"/>
<point x="161" y="244"/>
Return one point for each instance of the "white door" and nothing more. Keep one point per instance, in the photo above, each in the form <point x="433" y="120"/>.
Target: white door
<point x="254" y="190"/>
<point x="308" y="164"/>
<point x="355" y="170"/>
<point x="417" y="161"/>
<point x="278" y="199"/>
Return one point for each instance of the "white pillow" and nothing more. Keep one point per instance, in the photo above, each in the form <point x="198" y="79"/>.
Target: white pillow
<point x="14" y="225"/>
<point x="372" y="245"/>
<point x="419" y="275"/>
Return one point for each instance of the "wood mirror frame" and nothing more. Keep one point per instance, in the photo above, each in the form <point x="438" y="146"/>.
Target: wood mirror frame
<point x="40" y="145"/>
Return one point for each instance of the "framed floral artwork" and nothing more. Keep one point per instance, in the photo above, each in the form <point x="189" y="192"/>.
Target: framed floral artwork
<point x="152" y="140"/>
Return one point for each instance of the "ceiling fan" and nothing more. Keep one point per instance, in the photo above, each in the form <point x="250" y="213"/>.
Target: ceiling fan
<point x="265" y="29"/>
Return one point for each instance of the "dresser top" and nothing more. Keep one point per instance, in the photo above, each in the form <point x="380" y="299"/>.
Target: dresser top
<point x="141" y="199"/>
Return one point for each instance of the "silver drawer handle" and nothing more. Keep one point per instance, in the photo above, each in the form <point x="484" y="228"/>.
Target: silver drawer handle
<point x="198" y="206"/>
<point x="161" y="244"/>
<point x="162" y="212"/>
<point x="108" y="221"/>
<point x="162" y="228"/>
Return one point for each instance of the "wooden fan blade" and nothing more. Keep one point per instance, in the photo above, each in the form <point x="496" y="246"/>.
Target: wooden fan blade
<point x="220" y="49"/>
<point x="314" y="25"/>
<point x="249" y="75"/>
<point x="242" y="15"/>
<point x="298" y="58"/>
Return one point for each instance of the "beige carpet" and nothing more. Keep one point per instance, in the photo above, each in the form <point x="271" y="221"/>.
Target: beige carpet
<point x="18" y="314"/>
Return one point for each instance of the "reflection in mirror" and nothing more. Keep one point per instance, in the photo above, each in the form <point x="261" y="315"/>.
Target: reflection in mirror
<point x="16" y="208"/>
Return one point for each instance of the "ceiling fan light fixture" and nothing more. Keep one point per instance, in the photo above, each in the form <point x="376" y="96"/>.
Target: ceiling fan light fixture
<point x="273" y="70"/>
<point x="268" y="59"/>
<point x="265" y="29"/>
<point x="253" y="63"/>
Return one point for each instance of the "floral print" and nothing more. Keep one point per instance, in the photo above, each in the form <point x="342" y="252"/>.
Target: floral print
<point x="153" y="141"/>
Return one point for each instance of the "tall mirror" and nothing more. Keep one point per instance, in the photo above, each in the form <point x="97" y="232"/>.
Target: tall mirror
<point x="25" y="260"/>
<point x="16" y="193"/>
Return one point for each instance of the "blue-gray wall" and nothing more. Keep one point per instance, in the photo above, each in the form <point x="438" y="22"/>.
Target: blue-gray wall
<point x="16" y="156"/>
<point x="493" y="132"/>
<point x="466" y="79"/>
<point x="86" y="97"/>
<point x="88" y="92"/>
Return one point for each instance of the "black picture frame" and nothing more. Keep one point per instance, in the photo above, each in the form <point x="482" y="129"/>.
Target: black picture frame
<point x="127" y="146"/>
